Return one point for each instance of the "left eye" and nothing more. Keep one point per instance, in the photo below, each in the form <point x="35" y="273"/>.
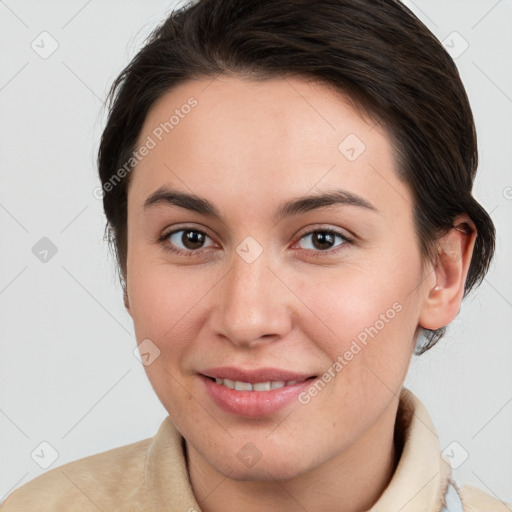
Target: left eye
<point x="323" y="240"/>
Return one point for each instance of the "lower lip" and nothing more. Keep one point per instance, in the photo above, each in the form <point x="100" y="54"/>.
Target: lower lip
<point x="253" y="403"/>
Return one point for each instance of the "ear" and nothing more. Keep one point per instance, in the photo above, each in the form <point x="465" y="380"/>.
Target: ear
<point x="444" y="297"/>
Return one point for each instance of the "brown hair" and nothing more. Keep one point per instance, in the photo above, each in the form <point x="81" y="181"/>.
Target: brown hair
<point x="376" y="52"/>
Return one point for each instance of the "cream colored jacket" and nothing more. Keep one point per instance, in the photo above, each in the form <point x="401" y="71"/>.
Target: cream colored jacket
<point x="151" y="475"/>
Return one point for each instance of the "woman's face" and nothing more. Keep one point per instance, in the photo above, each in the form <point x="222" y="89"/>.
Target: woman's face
<point x="330" y="290"/>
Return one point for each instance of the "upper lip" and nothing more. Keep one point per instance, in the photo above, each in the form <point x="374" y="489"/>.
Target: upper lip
<point x="253" y="375"/>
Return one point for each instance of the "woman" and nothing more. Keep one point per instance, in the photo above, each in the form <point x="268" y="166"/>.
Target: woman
<point x="288" y="192"/>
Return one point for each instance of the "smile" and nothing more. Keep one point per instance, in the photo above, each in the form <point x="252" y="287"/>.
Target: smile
<point x="253" y="393"/>
<point x="256" y="386"/>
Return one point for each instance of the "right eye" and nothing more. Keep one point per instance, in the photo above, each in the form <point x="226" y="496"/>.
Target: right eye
<point x="185" y="242"/>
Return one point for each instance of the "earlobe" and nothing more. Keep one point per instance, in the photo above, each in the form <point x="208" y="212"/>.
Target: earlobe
<point x="443" y="299"/>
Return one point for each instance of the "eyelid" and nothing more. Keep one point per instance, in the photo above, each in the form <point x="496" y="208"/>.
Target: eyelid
<point x="344" y="233"/>
<point x="186" y="227"/>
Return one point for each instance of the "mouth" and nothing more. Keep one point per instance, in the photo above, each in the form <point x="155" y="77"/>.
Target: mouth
<point x="253" y="393"/>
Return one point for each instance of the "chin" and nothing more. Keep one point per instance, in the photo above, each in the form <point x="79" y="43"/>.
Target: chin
<point x="270" y="467"/>
<point x="263" y="472"/>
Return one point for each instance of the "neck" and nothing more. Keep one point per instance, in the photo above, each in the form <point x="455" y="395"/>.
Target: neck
<point x="351" y="481"/>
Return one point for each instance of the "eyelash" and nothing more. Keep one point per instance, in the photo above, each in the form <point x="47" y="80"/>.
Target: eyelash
<point x="163" y="240"/>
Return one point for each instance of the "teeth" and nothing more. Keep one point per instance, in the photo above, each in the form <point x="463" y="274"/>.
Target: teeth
<point x="243" y="386"/>
<point x="261" y="386"/>
<point x="229" y="383"/>
<point x="257" y="386"/>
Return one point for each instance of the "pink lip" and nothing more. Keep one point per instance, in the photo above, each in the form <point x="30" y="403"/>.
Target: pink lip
<point x="253" y="403"/>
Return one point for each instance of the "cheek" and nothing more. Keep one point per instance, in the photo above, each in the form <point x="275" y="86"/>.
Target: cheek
<point x="163" y="311"/>
<point x="350" y="300"/>
<point x="167" y="304"/>
<point x="365" y="314"/>
<point x="162" y="296"/>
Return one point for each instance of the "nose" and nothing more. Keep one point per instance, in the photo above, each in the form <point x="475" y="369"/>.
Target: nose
<point x="252" y="305"/>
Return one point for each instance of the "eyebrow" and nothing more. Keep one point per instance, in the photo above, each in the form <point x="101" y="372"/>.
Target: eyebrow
<point x="167" y="196"/>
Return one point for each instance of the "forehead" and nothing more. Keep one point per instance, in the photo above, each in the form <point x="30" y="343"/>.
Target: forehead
<point x="228" y="137"/>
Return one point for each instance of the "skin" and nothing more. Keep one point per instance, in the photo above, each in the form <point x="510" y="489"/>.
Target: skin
<point x="248" y="147"/>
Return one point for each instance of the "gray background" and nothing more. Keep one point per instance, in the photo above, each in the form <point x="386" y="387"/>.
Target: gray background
<point x="68" y="375"/>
